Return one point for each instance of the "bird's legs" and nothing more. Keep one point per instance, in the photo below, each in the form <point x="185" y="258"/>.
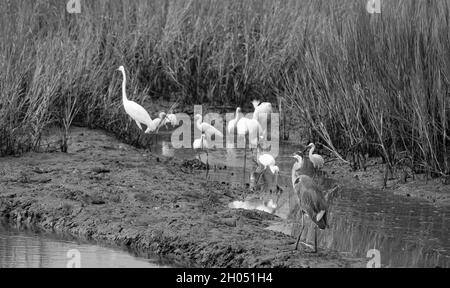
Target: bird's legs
<point x="207" y="165"/>
<point x="156" y="139"/>
<point x="259" y="176"/>
<point x="315" y="238"/>
<point x="300" y="235"/>
<point x="245" y="160"/>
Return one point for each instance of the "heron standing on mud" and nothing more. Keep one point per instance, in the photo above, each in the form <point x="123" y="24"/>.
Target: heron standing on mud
<point x="310" y="200"/>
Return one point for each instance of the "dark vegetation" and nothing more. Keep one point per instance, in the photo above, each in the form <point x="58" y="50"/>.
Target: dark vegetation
<point x="365" y="85"/>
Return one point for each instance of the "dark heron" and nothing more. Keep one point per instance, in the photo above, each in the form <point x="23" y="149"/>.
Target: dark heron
<point x="310" y="200"/>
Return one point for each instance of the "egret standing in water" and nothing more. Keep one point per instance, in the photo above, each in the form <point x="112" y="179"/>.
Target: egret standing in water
<point x="136" y="111"/>
<point x="250" y="127"/>
<point x="268" y="161"/>
<point x="310" y="199"/>
<point x="202" y="144"/>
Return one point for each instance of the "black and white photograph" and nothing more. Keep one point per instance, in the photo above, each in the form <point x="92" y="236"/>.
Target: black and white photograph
<point x="262" y="134"/>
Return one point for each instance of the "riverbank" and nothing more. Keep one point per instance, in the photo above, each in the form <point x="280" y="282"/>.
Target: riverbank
<point x="435" y="190"/>
<point x="111" y="192"/>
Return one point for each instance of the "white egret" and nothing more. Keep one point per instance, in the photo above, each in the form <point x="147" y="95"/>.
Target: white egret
<point x="267" y="161"/>
<point x="253" y="129"/>
<point x="260" y="110"/>
<point x="202" y="144"/>
<point x="233" y="122"/>
<point x="310" y="199"/>
<point x="164" y="120"/>
<point x="157" y="121"/>
<point x="206" y="128"/>
<point x="270" y="179"/>
<point x="315" y="159"/>
<point x="136" y="111"/>
<point x="172" y="119"/>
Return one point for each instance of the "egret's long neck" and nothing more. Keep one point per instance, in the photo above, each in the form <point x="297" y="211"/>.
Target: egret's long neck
<point x="312" y="150"/>
<point x="124" y="85"/>
<point x="237" y="116"/>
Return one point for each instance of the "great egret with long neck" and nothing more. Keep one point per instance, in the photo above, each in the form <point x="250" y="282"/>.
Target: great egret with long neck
<point x="206" y="128"/>
<point x="310" y="200"/>
<point x="316" y="159"/>
<point x="136" y="111"/>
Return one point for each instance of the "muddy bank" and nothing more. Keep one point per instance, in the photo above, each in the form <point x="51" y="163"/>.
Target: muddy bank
<point x="435" y="190"/>
<point x="111" y="192"/>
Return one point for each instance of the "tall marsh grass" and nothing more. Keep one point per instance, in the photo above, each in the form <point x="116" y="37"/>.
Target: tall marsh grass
<point x="376" y="84"/>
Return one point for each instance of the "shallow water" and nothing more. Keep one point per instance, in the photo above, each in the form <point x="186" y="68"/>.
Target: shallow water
<point x="27" y="249"/>
<point x="408" y="232"/>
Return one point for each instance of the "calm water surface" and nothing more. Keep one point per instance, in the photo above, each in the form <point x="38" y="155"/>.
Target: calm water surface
<point x="27" y="249"/>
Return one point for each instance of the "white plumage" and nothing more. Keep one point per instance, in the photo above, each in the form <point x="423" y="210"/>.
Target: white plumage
<point x="260" y="110"/>
<point x="252" y="127"/>
<point x="316" y="159"/>
<point x="233" y="122"/>
<point x="136" y="111"/>
<point x="267" y="160"/>
<point x="206" y="128"/>
<point x="157" y="121"/>
<point x="172" y="119"/>
<point x="201" y="143"/>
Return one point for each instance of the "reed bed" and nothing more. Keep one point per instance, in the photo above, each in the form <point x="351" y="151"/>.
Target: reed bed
<point x="365" y="84"/>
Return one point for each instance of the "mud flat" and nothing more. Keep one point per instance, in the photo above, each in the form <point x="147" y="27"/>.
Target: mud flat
<point x="107" y="191"/>
<point x="435" y="190"/>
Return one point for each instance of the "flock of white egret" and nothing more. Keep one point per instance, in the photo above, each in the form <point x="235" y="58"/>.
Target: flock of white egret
<point x="308" y="195"/>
